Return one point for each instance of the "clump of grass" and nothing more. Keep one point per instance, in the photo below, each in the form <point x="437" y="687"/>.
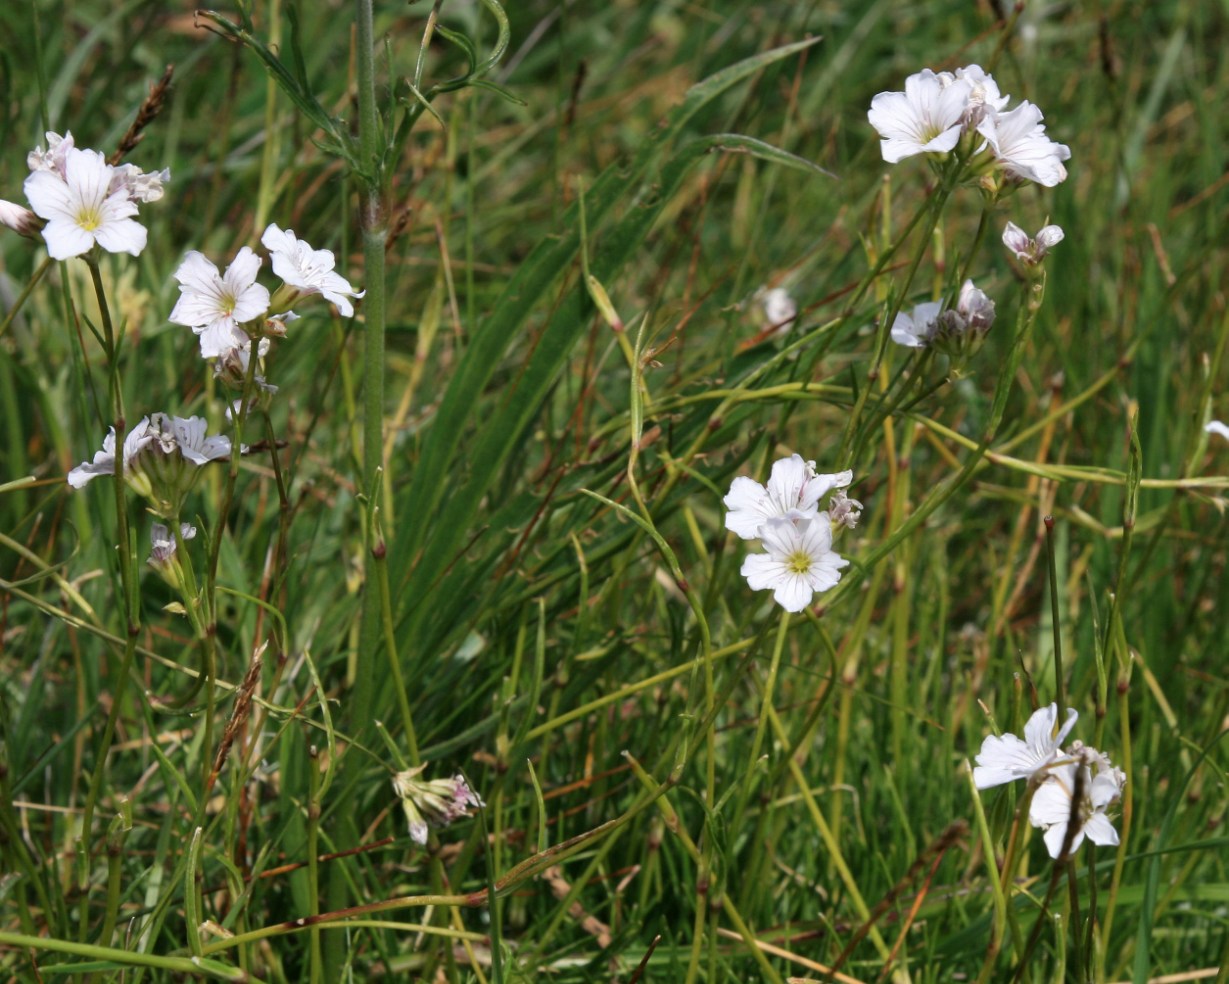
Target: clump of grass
<point x="473" y="570"/>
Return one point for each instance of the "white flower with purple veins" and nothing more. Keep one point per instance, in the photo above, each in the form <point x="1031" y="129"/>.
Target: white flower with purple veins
<point x="799" y="563"/>
<point x="214" y="305"/>
<point x="974" y="312"/>
<point x="186" y="435"/>
<point x="984" y="96"/>
<point x="137" y="184"/>
<point x="164" y="544"/>
<point x="437" y="802"/>
<point x="19" y="218"/>
<point x="1051" y="806"/>
<point x="104" y="460"/>
<point x="307" y="270"/>
<point x="927" y="118"/>
<point x="51" y="159"/>
<point x="1018" y="139"/>
<point x="1216" y="427"/>
<point x="1007" y="758"/>
<point x="81" y="209"/>
<point x="1031" y="251"/>
<point x="793" y="492"/>
<point x="917" y="329"/>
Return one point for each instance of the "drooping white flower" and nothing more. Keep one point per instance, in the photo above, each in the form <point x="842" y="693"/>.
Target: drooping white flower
<point x="1018" y="139"/>
<point x="793" y="492"/>
<point x="81" y="209"/>
<point x="799" y="561"/>
<point x="844" y="511"/>
<point x="164" y="544"/>
<point x="974" y="312"/>
<point x="1031" y="251"/>
<point x="214" y="306"/>
<point x="51" y="159"/>
<point x="139" y="185"/>
<point x="778" y="307"/>
<point x="307" y="270"/>
<point x="1007" y="758"/>
<point x="104" y="460"/>
<point x="984" y="95"/>
<point x="916" y="330"/>
<point x="19" y="218"/>
<point x="435" y="802"/>
<point x="1051" y="806"/>
<point x="927" y="118"/>
<point x="1216" y="427"/>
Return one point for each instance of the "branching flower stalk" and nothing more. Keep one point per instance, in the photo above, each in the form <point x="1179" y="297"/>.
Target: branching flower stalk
<point x="132" y="607"/>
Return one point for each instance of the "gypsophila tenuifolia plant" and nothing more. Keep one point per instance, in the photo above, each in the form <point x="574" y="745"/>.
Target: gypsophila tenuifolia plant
<point x="628" y="260"/>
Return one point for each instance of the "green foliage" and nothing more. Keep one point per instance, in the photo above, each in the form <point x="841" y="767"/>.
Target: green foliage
<point x="678" y="783"/>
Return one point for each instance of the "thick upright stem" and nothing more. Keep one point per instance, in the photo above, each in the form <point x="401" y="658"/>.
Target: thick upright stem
<point x="374" y="231"/>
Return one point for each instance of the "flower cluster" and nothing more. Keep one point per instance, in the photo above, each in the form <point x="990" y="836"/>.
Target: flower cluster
<point x="162" y="457"/>
<point x="229" y="310"/>
<point x="784" y="516"/>
<point x="937" y="110"/>
<point x="435" y="802"/>
<point x="1074" y="785"/>
<point x="80" y="201"/>
<point x="954" y="331"/>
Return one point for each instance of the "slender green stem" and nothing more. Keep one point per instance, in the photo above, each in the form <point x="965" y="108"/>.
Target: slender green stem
<point x="390" y="647"/>
<point x="770" y="685"/>
<point x="1060" y="694"/>
<point x="373" y="219"/>
<point x="313" y="851"/>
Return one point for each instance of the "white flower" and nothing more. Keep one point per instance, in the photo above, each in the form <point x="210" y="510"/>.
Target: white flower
<point x="844" y="511"/>
<point x="215" y="306"/>
<point x="233" y="362"/>
<point x="1007" y="758"/>
<point x="169" y="434"/>
<point x="974" y="312"/>
<point x="799" y="561"/>
<point x="437" y="802"/>
<point x="984" y="96"/>
<point x="307" y="270"/>
<point x="138" y="185"/>
<point x="793" y="492"/>
<point x="1018" y="139"/>
<point x="1216" y="427"/>
<point x="19" y="219"/>
<point x="779" y="309"/>
<point x="916" y="330"/>
<point x="1031" y="251"/>
<point x="104" y="460"/>
<point x="164" y="544"/>
<point x="928" y="117"/>
<point x="51" y="159"/>
<point x="81" y="209"/>
<point x="1051" y="807"/>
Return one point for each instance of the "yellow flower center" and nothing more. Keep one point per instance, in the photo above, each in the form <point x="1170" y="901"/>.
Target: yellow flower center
<point x="799" y="562"/>
<point x="89" y="218"/>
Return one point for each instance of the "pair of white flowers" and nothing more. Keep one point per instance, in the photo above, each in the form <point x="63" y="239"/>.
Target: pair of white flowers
<point x="227" y="309"/>
<point x="784" y="516"/>
<point x="162" y="456"/>
<point x="79" y="200"/>
<point x="936" y="110"/>
<point x="1076" y="785"/>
